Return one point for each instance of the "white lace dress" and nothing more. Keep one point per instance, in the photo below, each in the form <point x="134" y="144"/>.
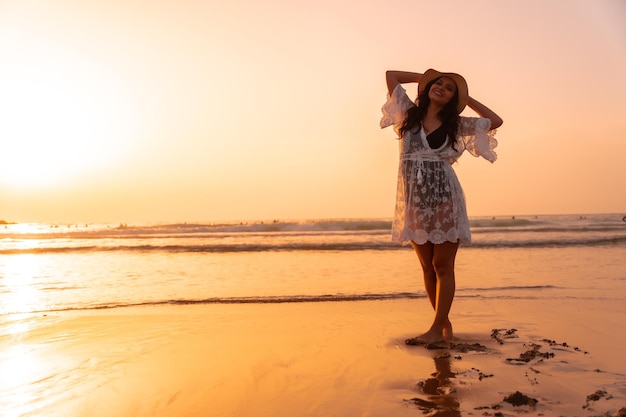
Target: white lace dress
<point x="430" y="205"/>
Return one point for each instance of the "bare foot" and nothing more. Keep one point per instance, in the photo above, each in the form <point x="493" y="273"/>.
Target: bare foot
<point x="431" y="336"/>
<point x="435" y="335"/>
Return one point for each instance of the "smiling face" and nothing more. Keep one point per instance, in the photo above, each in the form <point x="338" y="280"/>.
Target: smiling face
<point x="442" y="91"/>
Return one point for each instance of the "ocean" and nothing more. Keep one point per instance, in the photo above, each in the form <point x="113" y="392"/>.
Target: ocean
<point x="46" y="268"/>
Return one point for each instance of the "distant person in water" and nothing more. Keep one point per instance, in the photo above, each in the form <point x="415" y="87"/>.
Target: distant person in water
<point x="430" y="207"/>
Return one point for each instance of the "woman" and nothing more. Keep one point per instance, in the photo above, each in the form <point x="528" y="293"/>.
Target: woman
<point x="430" y="206"/>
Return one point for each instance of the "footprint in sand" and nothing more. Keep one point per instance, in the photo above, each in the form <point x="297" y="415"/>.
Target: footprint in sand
<point x="552" y="374"/>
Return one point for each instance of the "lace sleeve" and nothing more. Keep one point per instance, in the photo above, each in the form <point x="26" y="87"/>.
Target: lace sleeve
<point x="475" y="135"/>
<point x="394" y="110"/>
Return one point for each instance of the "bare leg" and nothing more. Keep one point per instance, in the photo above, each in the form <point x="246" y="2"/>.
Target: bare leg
<point x="425" y="255"/>
<point x="445" y="255"/>
<point x="438" y="265"/>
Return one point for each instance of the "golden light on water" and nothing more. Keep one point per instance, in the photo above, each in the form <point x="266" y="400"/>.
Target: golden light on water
<point x="18" y="276"/>
<point x="21" y="364"/>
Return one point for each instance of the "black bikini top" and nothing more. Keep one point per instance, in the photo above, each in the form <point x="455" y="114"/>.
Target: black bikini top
<point x="436" y="138"/>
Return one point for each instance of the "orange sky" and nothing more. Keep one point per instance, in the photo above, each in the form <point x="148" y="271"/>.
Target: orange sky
<point x="149" y="111"/>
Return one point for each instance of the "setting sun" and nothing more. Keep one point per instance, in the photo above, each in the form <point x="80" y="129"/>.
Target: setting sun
<point x="62" y="115"/>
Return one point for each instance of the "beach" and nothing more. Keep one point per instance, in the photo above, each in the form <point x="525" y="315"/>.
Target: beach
<point x="315" y="359"/>
<point x="315" y="322"/>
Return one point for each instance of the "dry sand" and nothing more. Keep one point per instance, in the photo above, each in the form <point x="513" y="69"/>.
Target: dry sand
<point x="557" y="358"/>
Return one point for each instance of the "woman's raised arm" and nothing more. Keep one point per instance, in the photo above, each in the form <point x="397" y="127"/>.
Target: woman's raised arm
<point x="484" y="111"/>
<point x="399" y="77"/>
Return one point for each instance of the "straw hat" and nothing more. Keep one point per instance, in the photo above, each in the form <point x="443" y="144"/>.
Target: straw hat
<point x="461" y="85"/>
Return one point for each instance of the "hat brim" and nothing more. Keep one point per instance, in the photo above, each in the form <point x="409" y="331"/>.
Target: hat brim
<point x="461" y="85"/>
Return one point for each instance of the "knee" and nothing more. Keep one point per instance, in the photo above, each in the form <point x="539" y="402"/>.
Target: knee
<point x="428" y="268"/>
<point x="443" y="269"/>
<point x="430" y="275"/>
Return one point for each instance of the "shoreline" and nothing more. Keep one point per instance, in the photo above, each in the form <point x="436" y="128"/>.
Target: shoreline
<point x="314" y="359"/>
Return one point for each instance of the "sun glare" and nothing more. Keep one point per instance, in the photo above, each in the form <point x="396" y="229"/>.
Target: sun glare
<point x="18" y="276"/>
<point x="20" y="368"/>
<point x="62" y="115"/>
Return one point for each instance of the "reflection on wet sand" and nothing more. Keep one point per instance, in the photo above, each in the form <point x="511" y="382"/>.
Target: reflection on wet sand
<point x="442" y="400"/>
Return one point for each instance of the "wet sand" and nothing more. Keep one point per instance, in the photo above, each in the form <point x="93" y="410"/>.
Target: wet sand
<point x="510" y="357"/>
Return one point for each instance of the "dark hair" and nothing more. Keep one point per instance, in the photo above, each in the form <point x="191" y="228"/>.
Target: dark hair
<point x="448" y="114"/>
